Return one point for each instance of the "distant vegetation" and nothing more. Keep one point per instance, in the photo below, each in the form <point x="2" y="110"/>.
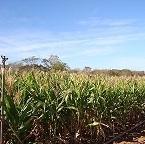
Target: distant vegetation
<point x="44" y="64"/>
<point x="54" y="63"/>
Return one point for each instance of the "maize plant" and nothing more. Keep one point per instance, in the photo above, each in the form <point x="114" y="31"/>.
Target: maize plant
<point x="63" y="107"/>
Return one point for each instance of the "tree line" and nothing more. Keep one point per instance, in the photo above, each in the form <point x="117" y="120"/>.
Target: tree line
<point x="53" y="62"/>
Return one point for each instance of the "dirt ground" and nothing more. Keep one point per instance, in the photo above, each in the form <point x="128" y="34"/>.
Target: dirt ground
<point x="136" y="136"/>
<point x="138" y="140"/>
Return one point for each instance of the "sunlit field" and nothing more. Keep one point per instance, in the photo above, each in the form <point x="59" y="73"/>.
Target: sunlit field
<point x="63" y="107"/>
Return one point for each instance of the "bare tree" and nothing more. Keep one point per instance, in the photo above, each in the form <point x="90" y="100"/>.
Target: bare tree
<point x="31" y="60"/>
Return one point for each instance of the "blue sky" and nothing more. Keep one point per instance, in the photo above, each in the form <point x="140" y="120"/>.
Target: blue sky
<point x="97" y="33"/>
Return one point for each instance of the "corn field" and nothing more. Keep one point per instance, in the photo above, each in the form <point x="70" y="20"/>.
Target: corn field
<point x="69" y="108"/>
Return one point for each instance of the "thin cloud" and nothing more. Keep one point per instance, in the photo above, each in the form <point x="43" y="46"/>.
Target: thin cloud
<point x="87" y="42"/>
<point x="101" y="22"/>
<point x="129" y="62"/>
